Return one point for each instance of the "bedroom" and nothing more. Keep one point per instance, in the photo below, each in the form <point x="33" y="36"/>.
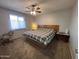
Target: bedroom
<point x="17" y="16"/>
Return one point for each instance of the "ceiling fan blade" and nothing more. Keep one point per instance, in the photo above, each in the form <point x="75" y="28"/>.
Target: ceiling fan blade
<point x="27" y="7"/>
<point x="27" y="11"/>
<point x="38" y="8"/>
<point x="34" y="5"/>
<point x="38" y="11"/>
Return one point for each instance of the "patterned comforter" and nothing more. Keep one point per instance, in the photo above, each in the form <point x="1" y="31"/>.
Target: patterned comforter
<point x="41" y="35"/>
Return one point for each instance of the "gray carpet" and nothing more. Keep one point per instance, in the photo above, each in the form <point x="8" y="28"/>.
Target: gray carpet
<point x="20" y="49"/>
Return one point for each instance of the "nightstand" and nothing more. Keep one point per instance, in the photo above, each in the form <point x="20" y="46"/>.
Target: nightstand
<point x="62" y="36"/>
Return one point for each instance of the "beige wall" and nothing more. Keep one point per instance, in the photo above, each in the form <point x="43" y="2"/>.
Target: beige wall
<point x="5" y="21"/>
<point x="61" y="17"/>
<point x="74" y="31"/>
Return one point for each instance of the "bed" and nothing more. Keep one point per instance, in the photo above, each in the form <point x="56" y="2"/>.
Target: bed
<point x="43" y="35"/>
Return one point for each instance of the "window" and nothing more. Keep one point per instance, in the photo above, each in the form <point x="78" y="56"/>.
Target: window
<point x="17" y="22"/>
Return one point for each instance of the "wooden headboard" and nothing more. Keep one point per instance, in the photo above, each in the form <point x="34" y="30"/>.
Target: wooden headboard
<point x="55" y="27"/>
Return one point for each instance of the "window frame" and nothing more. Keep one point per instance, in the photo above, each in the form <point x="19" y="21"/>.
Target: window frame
<point x="18" y="22"/>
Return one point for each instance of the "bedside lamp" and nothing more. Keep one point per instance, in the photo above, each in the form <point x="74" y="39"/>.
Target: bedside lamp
<point x="34" y="26"/>
<point x="67" y="31"/>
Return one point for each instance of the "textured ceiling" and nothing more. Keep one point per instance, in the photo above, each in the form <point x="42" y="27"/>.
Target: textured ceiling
<point x="45" y="5"/>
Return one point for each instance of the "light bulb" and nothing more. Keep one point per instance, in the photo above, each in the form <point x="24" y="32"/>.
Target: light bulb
<point x="33" y="13"/>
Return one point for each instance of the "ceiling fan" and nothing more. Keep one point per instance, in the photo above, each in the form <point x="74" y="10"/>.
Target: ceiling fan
<point x="33" y="9"/>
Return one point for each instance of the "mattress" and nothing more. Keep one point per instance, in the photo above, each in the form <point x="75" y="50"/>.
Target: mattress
<point x="44" y="36"/>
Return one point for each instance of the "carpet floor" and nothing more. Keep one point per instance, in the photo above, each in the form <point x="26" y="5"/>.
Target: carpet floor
<point x="20" y="49"/>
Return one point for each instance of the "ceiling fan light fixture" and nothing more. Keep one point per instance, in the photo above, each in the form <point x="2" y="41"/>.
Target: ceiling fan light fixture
<point x="34" y="9"/>
<point x="33" y="13"/>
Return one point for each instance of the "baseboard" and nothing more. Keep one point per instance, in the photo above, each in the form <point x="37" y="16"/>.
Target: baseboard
<point x="72" y="52"/>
